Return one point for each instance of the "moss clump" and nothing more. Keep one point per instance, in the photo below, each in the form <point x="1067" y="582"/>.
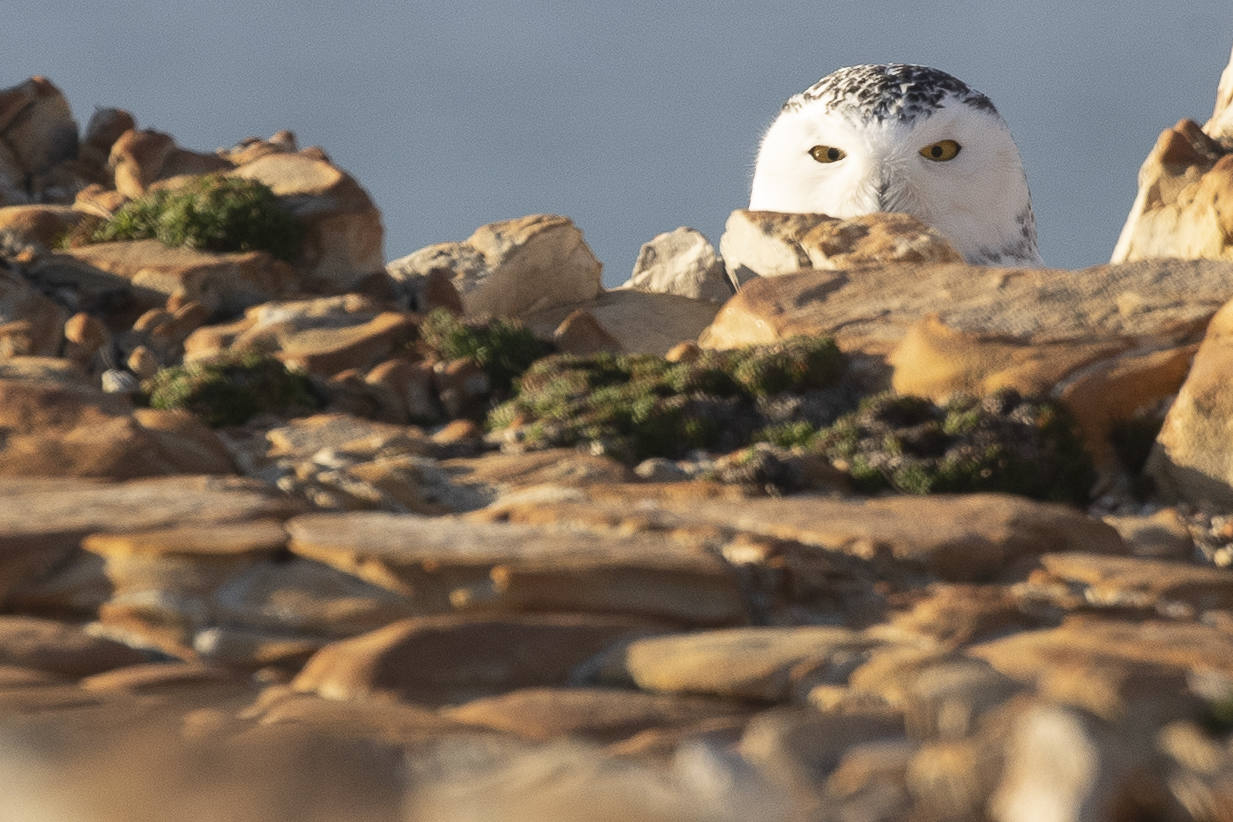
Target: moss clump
<point x="635" y="406"/>
<point x="1002" y="442"/>
<point x="211" y="213"/>
<point x="231" y="391"/>
<point x="502" y="348"/>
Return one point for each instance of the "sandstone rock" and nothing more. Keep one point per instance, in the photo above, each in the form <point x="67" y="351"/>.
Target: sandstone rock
<point x="1138" y="582"/>
<point x="59" y="648"/>
<point x="453" y="659"/>
<point x="106" y="125"/>
<point x="511" y="268"/>
<point x="153" y="272"/>
<point x="955" y="615"/>
<point x="84" y="336"/>
<point x="680" y="262"/>
<point x="38" y="225"/>
<point x="65" y="430"/>
<point x="599" y="714"/>
<point x="42" y="521"/>
<point x="1193" y="456"/>
<point x="580" y="333"/>
<point x="640" y="322"/>
<point x="404" y="390"/>
<point x="139" y="159"/>
<point x="36" y="125"/>
<point x="1162" y="535"/>
<point x="447" y="563"/>
<point x="344" y="238"/>
<point x="770" y="243"/>
<point x="30" y="324"/>
<point x="762" y="664"/>
<point x="1109" y="341"/>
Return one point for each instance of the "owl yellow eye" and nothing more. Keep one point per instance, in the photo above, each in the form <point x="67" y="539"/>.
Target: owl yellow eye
<point x="827" y="154"/>
<point x="941" y="151"/>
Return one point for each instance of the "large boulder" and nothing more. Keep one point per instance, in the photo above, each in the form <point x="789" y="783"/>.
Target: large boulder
<point x="1193" y="457"/>
<point x="511" y="268"/>
<point x="140" y="158"/>
<point x="344" y="239"/>
<point x="36" y="126"/>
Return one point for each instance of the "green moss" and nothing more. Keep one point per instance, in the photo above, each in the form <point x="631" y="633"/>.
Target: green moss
<point x="211" y="213"/>
<point x="503" y="348"/>
<point x="1003" y="443"/>
<point x="636" y="406"/>
<point x="233" y="390"/>
<point x="787" y="434"/>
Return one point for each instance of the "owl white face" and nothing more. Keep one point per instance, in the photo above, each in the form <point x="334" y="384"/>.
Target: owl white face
<point x="951" y="164"/>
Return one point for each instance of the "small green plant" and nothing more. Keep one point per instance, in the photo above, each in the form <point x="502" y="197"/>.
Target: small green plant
<point x="635" y="406"/>
<point x="232" y="390"/>
<point x="503" y="348"/>
<point x="212" y="213"/>
<point x="1002" y="442"/>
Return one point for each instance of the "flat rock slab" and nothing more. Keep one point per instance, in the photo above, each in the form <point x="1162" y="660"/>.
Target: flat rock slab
<point x="640" y="322"/>
<point x="43" y="521"/>
<point x="1143" y="582"/>
<point x="603" y="715"/>
<point x="494" y="566"/>
<point x="957" y="538"/>
<point x="454" y="659"/>
<point x="59" y="648"/>
<point x="764" y="664"/>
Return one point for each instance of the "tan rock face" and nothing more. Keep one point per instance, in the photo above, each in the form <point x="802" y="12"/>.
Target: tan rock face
<point x="40" y="225"/>
<point x="1193" y="456"/>
<point x="770" y="243"/>
<point x="344" y="240"/>
<point x="36" y="124"/>
<point x="513" y="267"/>
<point x="140" y="158"/>
<point x="640" y="322"/>
<point x="680" y="262"/>
<point x="30" y="324"/>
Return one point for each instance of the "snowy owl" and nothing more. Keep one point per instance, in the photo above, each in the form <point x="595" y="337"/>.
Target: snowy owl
<point x="901" y="138"/>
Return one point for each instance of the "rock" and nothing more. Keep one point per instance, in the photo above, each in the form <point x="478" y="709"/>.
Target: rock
<point x="344" y="238"/>
<point x="1110" y="342"/>
<point x="106" y="125"/>
<point x="1162" y="535"/>
<point x="680" y="262"/>
<point x="153" y="272"/>
<point x="42" y="521"/>
<point x="601" y="714"/>
<point x="36" y="125"/>
<point x="761" y="664"/>
<point x="404" y="390"/>
<point x="1138" y="582"/>
<point x="1062" y="766"/>
<point x="139" y="159"/>
<point x="448" y="563"/>
<point x="67" y="430"/>
<point x="84" y="336"/>
<point x="639" y="322"/>
<point x="955" y="615"/>
<point x="453" y="659"/>
<point x="1193" y="456"/>
<point x="511" y="268"/>
<point x="60" y="649"/>
<point x="38" y="225"/>
<point x="581" y="334"/>
<point x="770" y="243"/>
<point x="30" y="324"/>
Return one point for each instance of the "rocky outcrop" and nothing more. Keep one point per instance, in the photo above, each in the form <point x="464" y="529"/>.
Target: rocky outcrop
<point x="680" y="262"/>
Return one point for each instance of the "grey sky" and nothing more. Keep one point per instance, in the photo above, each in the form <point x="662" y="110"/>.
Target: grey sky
<point x="631" y="118"/>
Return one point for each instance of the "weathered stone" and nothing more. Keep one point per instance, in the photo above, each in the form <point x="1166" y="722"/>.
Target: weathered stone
<point x="42" y="521"/>
<point x="1138" y="582"/>
<point x="84" y="336"/>
<point x="30" y="324"/>
<point x="1193" y="456"/>
<point x="60" y="648"/>
<point x="1120" y="670"/>
<point x="404" y="390"/>
<point x="599" y="714"/>
<point x="955" y="615"/>
<point x="372" y="719"/>
<point x="640" y="322"/>
<point x="344" y="238"/>
<point x="453" y="659"/>
<point x="1181" y="209"/>
<point x="511" y="268"/>
<point x="472" y="565"/>
<point x="38" y="225"/>
<point x="36" y="124"/>
<point x="63" y="430"/>
<point x="581" y="334"/>
<point x="228" y="282"/>
<point x="106" y="125"/>
<point x="770" y="243"/>
<point x="1162" y="535"/>
<point x="681" y="262"/>
<point x="140" y="158"/>
<point x="764" y="664"/>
